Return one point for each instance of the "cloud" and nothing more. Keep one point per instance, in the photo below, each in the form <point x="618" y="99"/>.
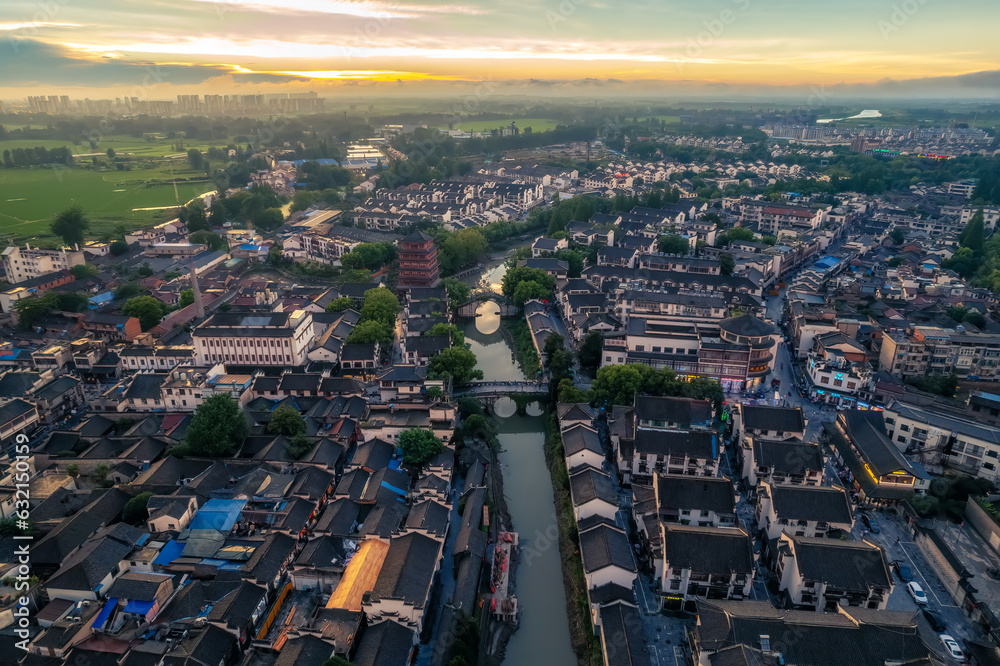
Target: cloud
<point x="28" y="62"/>
<point x="217" y="47"/>
<point x="356" y="8"/>
<point x="23" y="25"/>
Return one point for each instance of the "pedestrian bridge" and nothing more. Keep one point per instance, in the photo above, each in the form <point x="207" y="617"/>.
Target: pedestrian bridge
<point x="488" y="392"/>
<point x="476" y="298"/>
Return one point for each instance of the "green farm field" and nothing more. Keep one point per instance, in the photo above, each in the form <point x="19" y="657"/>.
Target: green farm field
<point x="30" y="198"/>
<point x="536" y="124"/>
<point x="123" y="145"/>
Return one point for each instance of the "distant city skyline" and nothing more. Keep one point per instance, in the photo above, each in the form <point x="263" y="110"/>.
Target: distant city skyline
<point x="160" y="48"/>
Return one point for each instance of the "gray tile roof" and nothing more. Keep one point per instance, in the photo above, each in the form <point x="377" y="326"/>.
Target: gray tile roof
<point x="408" y="570"/>
<point x="680" y="492"/>
<point x="590" y="484"/>
<point x="385" y="644"/>
<point x="823" y="504"/>
<point x="713" y="550"/>
<point x="604" y="546"/>
<point x="848" y="565"/>
<point x="622" y="635"/>
<point x="782" y="419"/>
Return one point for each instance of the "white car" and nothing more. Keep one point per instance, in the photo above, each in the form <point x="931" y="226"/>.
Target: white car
<point x="951" y="647"/>
<point x="917" y="593"/>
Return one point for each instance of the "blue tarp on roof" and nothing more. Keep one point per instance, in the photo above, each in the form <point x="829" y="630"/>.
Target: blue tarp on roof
<point x="170" y="552"/>
<point x="828" y="262"/>
<point x="102" y="617"/>
<point x="139" y="607"/>
<point x="102" y="298"/>
<point x="218" y="514"/>
<point x="322" y="160"/>
<point x="389" y="486"/>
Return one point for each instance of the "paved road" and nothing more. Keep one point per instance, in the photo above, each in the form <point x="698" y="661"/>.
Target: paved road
<point x="893" y="527"/>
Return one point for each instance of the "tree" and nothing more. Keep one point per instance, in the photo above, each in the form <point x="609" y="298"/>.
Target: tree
<point x="895" y="262"/>
<point x="380" y="305"/>
<point x="946" y="385"/>
<point x="734" y="234"/>
<point x="186" y="298"/>
<point x="134" y="511"/>
<point x="369" y="255"/>
<point x="619" y="384"/>
<point x="118" y="248"/>
<point x="553" y="343"/>
<point x="127" y="290"/>
<point x="468" y="406"/>
<point x="110" y="152"/>
<point x="897" y="236"/>
<point x="71" y="225"/>
<point x="458" y="291"/>
<point x="31" y="311"/>
<point x="591" y="350"/>
<point x="568" y="392"/>
<point x="674" y="244"/>
<point x="147" y="309"/>
<point x="269" y="219"/>
<point x="340" y="304"/>
<point x="457" y="362"/>
<point x="419" y="446"/>
<point x="574" y="261"/>
<point x="211" y="240"/>
<point x="83" y="271"/>
<point x="727" y="264"/>
<point x="456" y="334"/>
<point x="336" y="661"/>
<point x="477" y="425"/>
<point x="73" y="470"/>
<point x="217" y="428"/>
<point x="195" y="159"/>
<point x="769" y="240"/>
<point x="974" y="234"/>
<point x="299" y="445"/>
<point x="460" y="249"/>
<point x="530" y="291"/>
<point x="73" y="301"/>
<point x="370" y="332"/>
<point x="514" y="277"/>
<point x="287" y="421"/>
<point x="101" y="473"/>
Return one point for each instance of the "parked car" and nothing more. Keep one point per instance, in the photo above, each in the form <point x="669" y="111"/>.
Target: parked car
<point x="934" y="619"/>
<point x="951" y="647"/>
<point x="903" y="571"/>
<point x="871" y="523"/>
<point x="917" y="593"/>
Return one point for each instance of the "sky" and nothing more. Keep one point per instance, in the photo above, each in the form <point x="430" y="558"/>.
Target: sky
<point x="159" y="48"/>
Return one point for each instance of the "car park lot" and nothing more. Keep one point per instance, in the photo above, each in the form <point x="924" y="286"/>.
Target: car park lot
<point x="938" y="600"/>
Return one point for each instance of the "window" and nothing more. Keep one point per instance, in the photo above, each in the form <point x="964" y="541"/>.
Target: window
<point x="904" y="428"/>
<point x="640" y="347"/>
<point x="656" y="350"/>
<point x="824" y="380"/>
<point x="838" y="382"/>
<point x="901" y="439"/>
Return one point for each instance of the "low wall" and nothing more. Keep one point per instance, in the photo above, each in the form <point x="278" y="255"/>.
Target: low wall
<point x="983" y="522"/>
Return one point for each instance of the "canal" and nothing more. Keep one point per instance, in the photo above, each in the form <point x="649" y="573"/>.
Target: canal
<point x="542" y="637"/>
